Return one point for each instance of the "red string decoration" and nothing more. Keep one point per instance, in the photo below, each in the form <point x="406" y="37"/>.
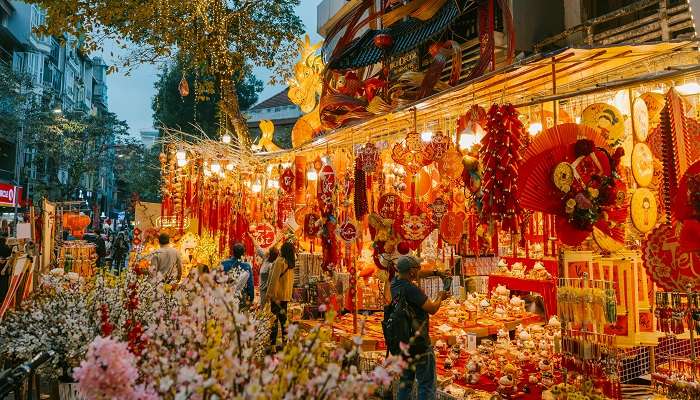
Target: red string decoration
<point x="361" y="206"/>
<point x="501" y="159"/>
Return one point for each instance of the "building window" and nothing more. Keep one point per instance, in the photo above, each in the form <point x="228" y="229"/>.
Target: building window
<point x="38" y="19"/>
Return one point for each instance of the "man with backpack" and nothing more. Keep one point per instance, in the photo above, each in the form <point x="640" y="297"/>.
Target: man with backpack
<point x="236" y="262"/>
<point x="406" y="321"/>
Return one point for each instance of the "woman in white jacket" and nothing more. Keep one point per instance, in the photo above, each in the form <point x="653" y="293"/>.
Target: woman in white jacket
<point x="268" y="260"/>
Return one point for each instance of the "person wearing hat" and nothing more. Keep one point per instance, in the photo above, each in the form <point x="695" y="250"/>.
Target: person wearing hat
<point x="423" y="365"/>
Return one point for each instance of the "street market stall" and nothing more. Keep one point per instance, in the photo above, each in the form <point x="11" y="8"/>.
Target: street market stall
<point x="562" y="174"/>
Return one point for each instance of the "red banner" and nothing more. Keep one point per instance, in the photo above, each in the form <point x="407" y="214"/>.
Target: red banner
<point x="9" y="194"/>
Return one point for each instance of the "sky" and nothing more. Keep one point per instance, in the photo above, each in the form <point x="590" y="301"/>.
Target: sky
<point x="129" y="96"/>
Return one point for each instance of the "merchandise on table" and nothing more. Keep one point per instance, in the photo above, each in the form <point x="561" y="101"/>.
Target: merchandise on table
<point x="77" y="256"/>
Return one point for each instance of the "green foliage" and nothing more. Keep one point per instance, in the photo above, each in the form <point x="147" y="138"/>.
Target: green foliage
<point x="137" y="171"/>
<point x="81" y="144"/>
<point x="200" y="107"/>
<point x="213" y="38"/>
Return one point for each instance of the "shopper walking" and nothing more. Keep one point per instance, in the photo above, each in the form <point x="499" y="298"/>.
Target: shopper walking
<point x="268" y="260"/>
<point x="236" y="262"/>
<point x="120" y="251"/>
<point x="422" y="367"/>
<point x="100" y="248"/>
<point x="166" y="261"/>
<point x="279" y="290"/>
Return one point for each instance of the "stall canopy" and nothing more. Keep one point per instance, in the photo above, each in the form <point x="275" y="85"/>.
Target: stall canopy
<point x="543" y="77"/>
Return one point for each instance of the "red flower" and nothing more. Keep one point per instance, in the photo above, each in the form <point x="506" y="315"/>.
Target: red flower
<point x="583" y="147"/>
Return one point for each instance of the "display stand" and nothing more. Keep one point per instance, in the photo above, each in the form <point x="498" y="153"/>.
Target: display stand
<point x="546" y="288"/>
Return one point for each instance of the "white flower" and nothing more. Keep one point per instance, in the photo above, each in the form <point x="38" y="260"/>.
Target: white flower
<point x="165" y="383"/>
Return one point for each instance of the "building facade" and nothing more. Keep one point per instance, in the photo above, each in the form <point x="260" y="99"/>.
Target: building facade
<point x="278" y="109"/>
<point x="71" y="80"/>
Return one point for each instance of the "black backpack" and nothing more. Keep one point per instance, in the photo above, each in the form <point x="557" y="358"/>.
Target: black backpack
<point x="400" y="326"/>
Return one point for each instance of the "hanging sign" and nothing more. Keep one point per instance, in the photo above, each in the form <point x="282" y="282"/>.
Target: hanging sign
<point x="439" y="208"/>
<point x="264" y="235"/>
<point x="347" y="231"/>
<point x="287" y="180"/>
<point x="326" y="185"/>
<point x="9" y="194"/>
<point x="312" y="224"/>
<point x="390" y="206"/>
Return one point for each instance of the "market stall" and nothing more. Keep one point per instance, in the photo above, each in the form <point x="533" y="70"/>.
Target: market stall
<point x="559" y="175"/>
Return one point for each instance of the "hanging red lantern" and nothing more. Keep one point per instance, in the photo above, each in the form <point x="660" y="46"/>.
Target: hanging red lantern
<point x="183" y="87"/>
<point x="383" y="41"/>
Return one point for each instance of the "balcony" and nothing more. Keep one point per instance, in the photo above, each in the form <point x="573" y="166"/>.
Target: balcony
<point x="639" y="22"/>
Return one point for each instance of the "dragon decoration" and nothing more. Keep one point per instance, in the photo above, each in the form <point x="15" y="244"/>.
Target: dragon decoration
<point x="333" y="98"/>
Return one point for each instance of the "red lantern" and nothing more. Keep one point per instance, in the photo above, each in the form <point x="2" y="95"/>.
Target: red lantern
<point x="264" y="235"/>
<point x="383" y="41"/>
<point x="347" y="231"/>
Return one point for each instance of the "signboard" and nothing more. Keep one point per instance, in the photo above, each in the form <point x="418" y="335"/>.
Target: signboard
<point x="406" y="62"/>
<point x="9" y="194"/>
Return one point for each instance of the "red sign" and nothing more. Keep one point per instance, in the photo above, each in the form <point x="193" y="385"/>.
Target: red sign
<point x="9" y="194"/>
<point x="264" y="235"/>
<point x="347" y="231"/>
<point x="326" y="184"/>
<point x="287" y="180"/>
<point x="390" y="206"/>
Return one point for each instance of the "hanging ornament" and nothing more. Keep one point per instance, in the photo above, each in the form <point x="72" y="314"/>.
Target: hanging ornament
<point x="264" y="235"/>
<point x="674" y="144"/>
<point x="606" y="120"/>
<point x="500" y="155"/>
<point x="451" y="168"/>
<point x="390" y="206"/>
<point x="326" y="184"/>
<point x="473" y="122"/>
<point x="312" y="225"/>
<point x="440" y="144"/>
<point x="412" y="153"/>
<point x="452" y="226"/>
<point x="414" y="226"/>
<point x="360" y="201"/>
<point x="286" y="180"/>
<point x="438" y="209"/>
<point x="368" y="157"/>
<point x="347" y="231"/>
<point x="183" y="87"/>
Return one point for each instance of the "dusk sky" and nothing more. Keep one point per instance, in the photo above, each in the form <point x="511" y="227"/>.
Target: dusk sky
<point x="130" y="96"/>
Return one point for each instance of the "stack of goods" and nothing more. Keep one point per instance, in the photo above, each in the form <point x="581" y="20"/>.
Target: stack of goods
<point x="307" y="299"/>
<point x="522" y="367"/>
<point x="369" y="295"/>
<point x="308" y="266"/>
<point x="518" y="270"/>
<point x="78" y="256"/>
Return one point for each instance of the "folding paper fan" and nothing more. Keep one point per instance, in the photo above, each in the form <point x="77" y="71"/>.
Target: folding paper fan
<point x="537" y="189"/>
<point x="562" y="135"/>
<point x="674" y="144"/>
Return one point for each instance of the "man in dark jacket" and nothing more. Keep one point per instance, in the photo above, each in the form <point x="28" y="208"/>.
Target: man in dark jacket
<point x="236" y="262"/>
<point x="101" y="248"/>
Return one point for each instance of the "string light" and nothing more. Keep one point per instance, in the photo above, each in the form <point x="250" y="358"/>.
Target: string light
<point x="426" y="136"/>
<point x="256" y="188"/>
<point x="466" y="141"/>
<point x="689" y="89"/>
<point x="311" y="175"/>
<point x="226" y="138"/>
<point x="181" y="154"/>
<point x="215" y="167"/>
<point x="181" y="162"/>
<point x="230" y="166"/>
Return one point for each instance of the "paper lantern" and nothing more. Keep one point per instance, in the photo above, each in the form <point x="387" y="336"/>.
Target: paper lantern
<point x="452" y="227"/>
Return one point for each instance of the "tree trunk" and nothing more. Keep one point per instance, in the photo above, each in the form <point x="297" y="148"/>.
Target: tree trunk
<point x="230" y="107"/>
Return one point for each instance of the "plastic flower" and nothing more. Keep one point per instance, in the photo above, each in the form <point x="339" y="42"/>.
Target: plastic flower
<point x="108" y="371"/>
<point x="593" y="192"/>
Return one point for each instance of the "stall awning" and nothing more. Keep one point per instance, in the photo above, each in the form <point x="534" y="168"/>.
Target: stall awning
<point x="407" y="35"/>
<point x="564" y="73"/>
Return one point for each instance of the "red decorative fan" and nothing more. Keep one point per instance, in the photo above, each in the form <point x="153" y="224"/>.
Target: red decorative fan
<point x="562" y="135"/>
<point x="537" y="190"/>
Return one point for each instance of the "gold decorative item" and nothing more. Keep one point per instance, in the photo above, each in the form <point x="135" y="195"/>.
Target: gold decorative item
<point x="643" y="209"/>
<point x="304" y="90"/>
<point x="563" y="176"/>
<point x="606" y="242"/>
<point x="265" y="143"/>
<point x="654" y="102"/>
<point x="642" y="164"/>
<point x="606" y="120"/>
<point x="640" y="119"/>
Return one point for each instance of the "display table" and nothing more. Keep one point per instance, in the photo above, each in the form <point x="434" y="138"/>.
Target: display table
<point x="546" y="288"/>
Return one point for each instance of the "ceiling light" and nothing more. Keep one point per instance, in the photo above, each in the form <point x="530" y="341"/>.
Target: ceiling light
<point x="215" y="167"/>
<point x="534" y="128"/>
<point x="426" y="136"/>
<point x="688" y="89"/>
<point x="311" y="175"/>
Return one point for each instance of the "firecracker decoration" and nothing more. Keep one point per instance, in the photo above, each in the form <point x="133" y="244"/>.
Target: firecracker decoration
<point x="500" y="155"/>
<point x="360" y="201"/>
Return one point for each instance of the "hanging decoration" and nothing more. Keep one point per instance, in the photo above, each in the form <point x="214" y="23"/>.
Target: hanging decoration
<point x="412" y="153"/>
<point x="264" y="235"/>
<point x="286" y="180"/>
<point x="500" y="154"/>
<point x="440" y="144"/>
<point x="265" y="143"/>
<point x="438" y="209"/>
<point x="390" y="206"/>
<point x="606" y="120"/>
<point x="347" y="231"/>
<point x="450" y="168"/>
<point x="414" y="225"/>
<point x="183" y="87"/>
<point x="642" y="164"/>
<point x="473" y="122"/>
<point x="641" y="119"/>
<point x="452" y="227"/>
<point x="326" y="185"/>
<point x="671" y="268"/>
<point x="674" y="144"/>
<point x="360" y="200"/>
<point x="643" y="210"/>
<point x="368" y="157"/>
<point x="471" y="173"/>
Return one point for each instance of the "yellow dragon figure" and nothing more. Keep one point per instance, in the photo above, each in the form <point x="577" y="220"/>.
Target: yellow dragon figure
<point x="305" y="89"/>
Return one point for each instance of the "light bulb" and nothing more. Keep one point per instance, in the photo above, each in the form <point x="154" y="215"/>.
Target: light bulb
<point x="311" y="175"/>
<point x="181" y="154"/>
<point x="688" y="89"/>
<point x="256" y="187"/>
<point x="230" y="166"/>
<point x="215" y="167"/>
<point x="181" y="162"/>
<point x="286" y="165"/>
<point x="426" y="136"/>
<point x="273" y="184"/>
<point x="270" y="168"/>
<point x="226" y="138"/>
<point x="534" y="128"/>
<point x="578" y="120"/>
<point x="466" y="141"/>
<point x="207" y="172"/>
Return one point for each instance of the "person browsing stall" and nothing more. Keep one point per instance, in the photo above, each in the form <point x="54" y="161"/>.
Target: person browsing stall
<point x="236" y="262"/>
<point x="422" y="367"/>
<point x="166" y="261"/>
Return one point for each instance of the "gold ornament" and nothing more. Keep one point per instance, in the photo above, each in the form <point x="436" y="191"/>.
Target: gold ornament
<point x="304" y="90"/>
<point x="563" y="176"/>
<point x="642" y="164"/>
<point x="643" y="209"/>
